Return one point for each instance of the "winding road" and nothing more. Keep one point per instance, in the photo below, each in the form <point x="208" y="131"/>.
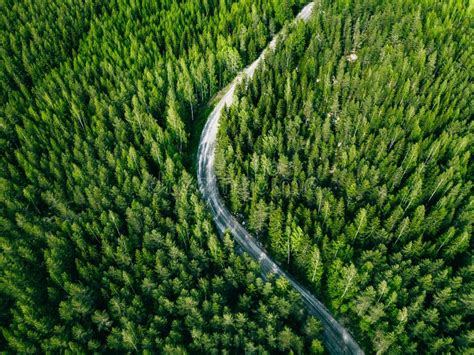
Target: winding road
<point x="336" y="338"/>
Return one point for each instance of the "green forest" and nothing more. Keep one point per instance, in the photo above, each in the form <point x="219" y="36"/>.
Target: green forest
<point x="105" y="243"/>
<point x="349" y="155"/>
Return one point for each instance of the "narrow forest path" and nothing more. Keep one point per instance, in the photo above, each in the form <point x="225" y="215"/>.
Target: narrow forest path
<point x="336" y="338"/>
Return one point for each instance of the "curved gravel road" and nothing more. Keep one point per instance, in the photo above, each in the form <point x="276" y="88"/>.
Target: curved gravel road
<point x="336" y="339"/>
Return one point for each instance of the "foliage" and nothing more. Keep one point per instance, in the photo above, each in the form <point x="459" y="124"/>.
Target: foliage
<point x="349" y="152"/>
<point x="105" y="244"/>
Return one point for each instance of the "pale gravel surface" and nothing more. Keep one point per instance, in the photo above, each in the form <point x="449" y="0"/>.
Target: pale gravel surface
<point x="336" y="338"/>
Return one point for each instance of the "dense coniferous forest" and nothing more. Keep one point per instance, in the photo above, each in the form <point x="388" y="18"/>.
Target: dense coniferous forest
<point x="105" y="244"/>
<point x="349" y="155"/>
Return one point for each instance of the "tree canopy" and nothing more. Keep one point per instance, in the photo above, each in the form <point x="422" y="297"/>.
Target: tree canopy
<point x="105" y="243"/>
<point x="350" y="155"/>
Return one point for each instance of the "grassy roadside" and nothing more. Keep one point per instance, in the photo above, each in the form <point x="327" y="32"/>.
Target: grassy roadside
<point x="202" y="113"/>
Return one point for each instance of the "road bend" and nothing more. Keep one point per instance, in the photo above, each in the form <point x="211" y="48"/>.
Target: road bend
<point x="335" y="337"/>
